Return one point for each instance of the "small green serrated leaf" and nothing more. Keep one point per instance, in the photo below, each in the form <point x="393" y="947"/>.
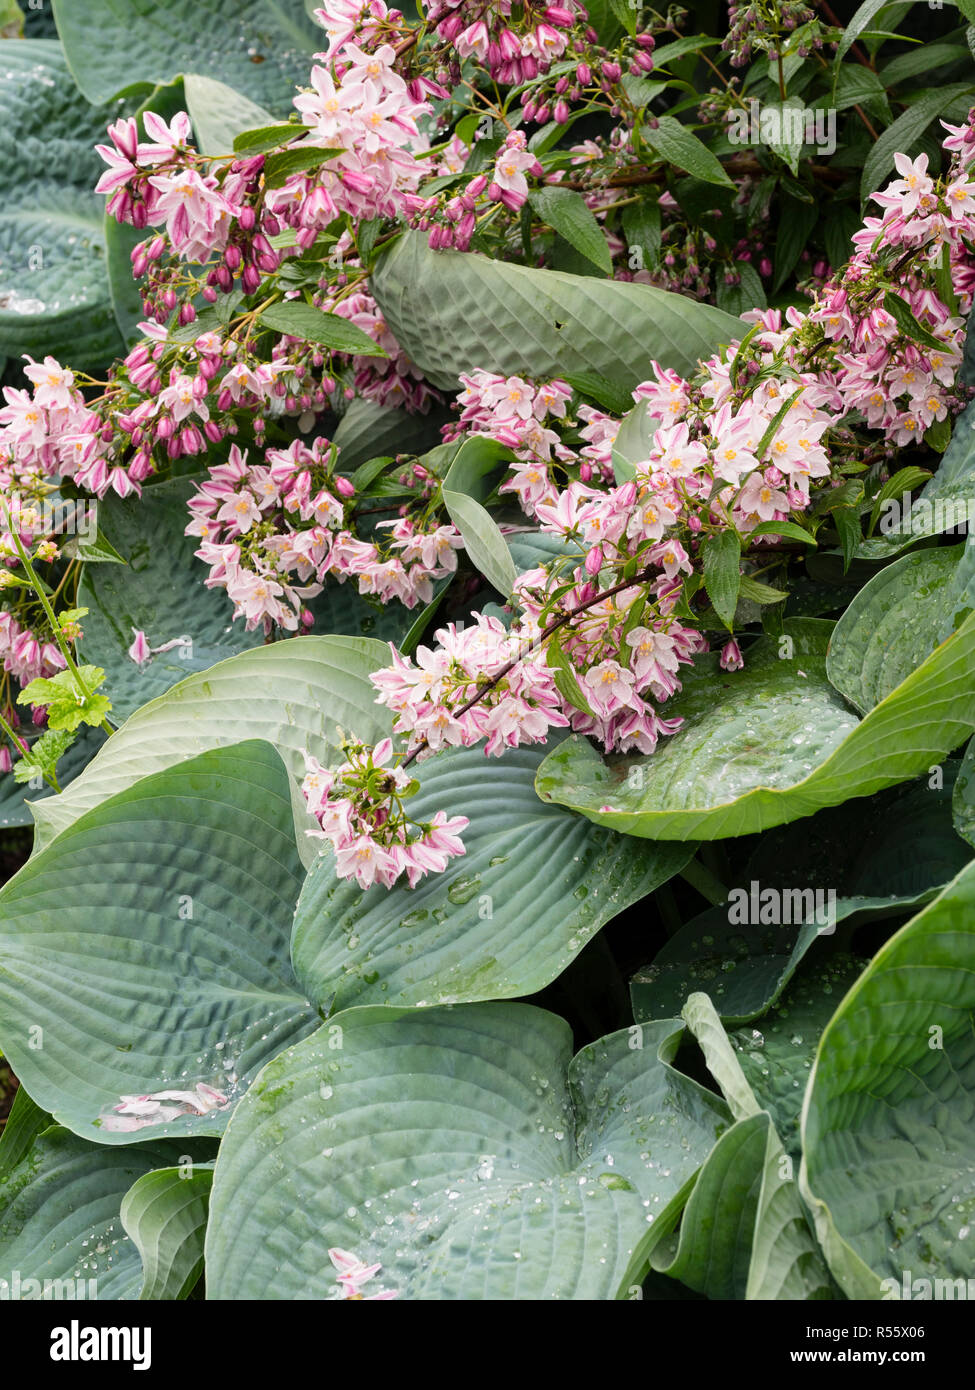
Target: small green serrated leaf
<point x="278" y="168"/>
<point x="678" y="145"/>
<point x="722" y="574"/>
<point x="567" y="213"/>
<point x="264" y="138"/>
<point x="300" y="320"/>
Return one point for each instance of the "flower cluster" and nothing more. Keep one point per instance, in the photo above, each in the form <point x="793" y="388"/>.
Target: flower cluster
<point x="259" y="525"/>
<point x="900" y="379"/>
<point x="478" y="683"/>
<point x="360" y="105"/>
<point x="359" y="808"/>
<point x="519" y="415"/>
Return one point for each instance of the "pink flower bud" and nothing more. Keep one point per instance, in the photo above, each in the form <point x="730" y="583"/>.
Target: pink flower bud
<point x="731" y="658"/>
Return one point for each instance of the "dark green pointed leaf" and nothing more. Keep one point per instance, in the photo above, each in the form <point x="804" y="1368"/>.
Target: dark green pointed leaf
<point x="304" y="321"/>
<point x="679" y="146"/>
<point x="567" y="213"/>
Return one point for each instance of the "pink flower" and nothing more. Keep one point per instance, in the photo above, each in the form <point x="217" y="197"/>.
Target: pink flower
<point x="353" y="1273"/>
<point x="139" y="650"/>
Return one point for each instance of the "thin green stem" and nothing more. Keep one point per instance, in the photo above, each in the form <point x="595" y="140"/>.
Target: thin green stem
<point x="36" y="585"/>
<point x="20" y="743"/>
<point x="705" y="882"/>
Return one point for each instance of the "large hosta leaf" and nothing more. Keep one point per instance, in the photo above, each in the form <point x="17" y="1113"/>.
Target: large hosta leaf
<point x="165" y="1214"/>
<point x="59" y="1216"/>
<point x="219" y="114"/>
<point x="294" y="694"/>
<point x="147" y="948"/>
<point x="895" y="622"/>
<point x="161" y="592"/>
<point x="21" y="1127"/>
<point x="887" y="1129"/>
<point x="464" y="1150"/>
<point x="260" y="47"/>
<point x="771" y="743"/>
<point x="54" y="295"/>
<point x="453" y="312"/>
<point x="887" y="855"/>
<point x="535" y="885"/>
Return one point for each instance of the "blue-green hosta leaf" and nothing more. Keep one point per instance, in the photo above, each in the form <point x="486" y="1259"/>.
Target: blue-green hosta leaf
<point x="483" y="929"/>
<point x="464" y="1150"/>
<point x="368" y="430"/>
<point x="164" y="1213"/>
<point x="261" y="47"/>
<point x="887" y="855"/>
<point x="294" y="694"/>
<point x="887" y="1127"/>
<point x="54" y="295"/>
<point x="744" y="1234"/>
<point x="160" y="591"/>
<point x="771" y="743"/>
<point x="633" y="442"/>
<point x="59" y="1216"/>
<point x="946" y="500"/>
<point x="146" y="949"/>
<point x="454" y="311"/>
<point x="532" y="549"/>
<point x="895" y="622"/>
<point x="219" y="114"/>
